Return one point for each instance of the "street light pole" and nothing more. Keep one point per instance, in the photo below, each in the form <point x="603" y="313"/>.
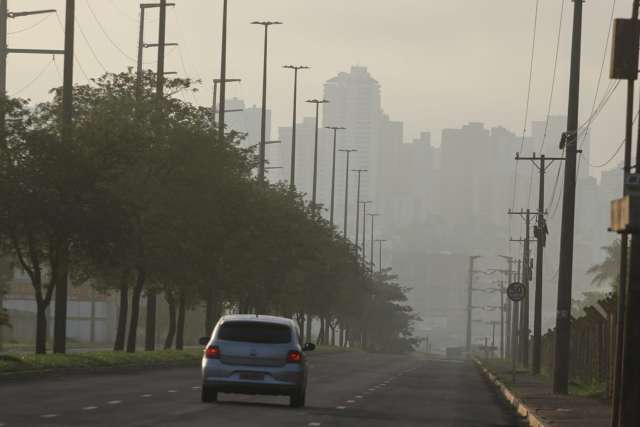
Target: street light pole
<point x="380" y="242"/>
<point x="263" y="127"/>
<point x="346" y="192"/>
<point x="335" y="130"/>
<point x="470" y="303"/>
<point x="314" y="195"/>
<point x="295" y="68"/>
<point x="359" y="172"/>
<point x="373" y="217"/>
<point x="364" y="231"/>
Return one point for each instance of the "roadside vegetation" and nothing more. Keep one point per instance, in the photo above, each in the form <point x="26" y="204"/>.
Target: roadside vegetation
<point x="145" y="201"/>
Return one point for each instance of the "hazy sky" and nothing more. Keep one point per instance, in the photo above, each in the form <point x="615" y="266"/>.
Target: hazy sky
<point x="441" y="63"/>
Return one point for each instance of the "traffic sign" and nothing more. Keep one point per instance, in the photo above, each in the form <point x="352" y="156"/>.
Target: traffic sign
<point x="516" y="291"/>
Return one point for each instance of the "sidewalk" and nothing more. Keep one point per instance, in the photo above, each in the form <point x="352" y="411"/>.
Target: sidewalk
<point x="532" y="398"/>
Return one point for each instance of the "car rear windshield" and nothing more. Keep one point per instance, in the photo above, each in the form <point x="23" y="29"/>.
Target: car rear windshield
<point x="255" y="332"/>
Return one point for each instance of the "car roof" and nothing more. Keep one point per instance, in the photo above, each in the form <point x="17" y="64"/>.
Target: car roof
<point x="256" y="318"/>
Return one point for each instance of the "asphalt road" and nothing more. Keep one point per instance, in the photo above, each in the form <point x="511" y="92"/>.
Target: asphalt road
<point x="345" y="389"/>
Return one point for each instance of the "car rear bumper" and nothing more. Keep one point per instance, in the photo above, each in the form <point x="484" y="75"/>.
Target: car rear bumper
<point x="281" y="380"/>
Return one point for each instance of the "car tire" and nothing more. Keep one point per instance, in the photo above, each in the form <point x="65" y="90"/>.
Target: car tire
<point x="297" y="400"/>
<point x="209" y="395"/>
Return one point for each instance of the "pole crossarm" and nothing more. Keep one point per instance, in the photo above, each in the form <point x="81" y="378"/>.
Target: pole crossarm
<point x="37" y="51"/>
<point x="154" y="5"/>
<point x="522" y="240"/>
<point x="542" y="159"/>
<point x="218" y="81"/>
<point x="272" y="142"/>
<point x="158" y="44"/>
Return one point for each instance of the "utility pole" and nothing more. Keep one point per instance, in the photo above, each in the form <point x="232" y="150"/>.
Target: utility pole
<point x="472" y="260"/>
<point x="380" y="242"/>
<point x="142" y="45"/>
<point x="514" y="328"/>
<point x="373" y="217"/>
<point x="565" y="273"/>
<point x="625" y="59"/>
<point x="509" y="273"/>
<point x="346" y="191"/>
<point x="502" y="307"/>
<point x="526" y="278"/>
<point x="335" y="130"/>
<point x="295" y="68"/>
<point x="263" y="127"/>
<point x="223" y="74"/>
<point x="493" y="325"/>
<point x="359" y="172"/>
<point x="317" y="103"/>
<point x="5" y="50"/>
<point x="364" y="231"/>
<point x="150" y="327"/>
<point x="62" y="287"/>
<point x="540" y="232"/>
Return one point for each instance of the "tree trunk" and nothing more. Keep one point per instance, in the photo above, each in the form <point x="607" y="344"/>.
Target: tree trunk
<point x="180" y="326"/>
<point x="308" y="328"/>
<point x="213" y="311"/>
<point x="135" y="311"/>
<point x="41" y="327"/>
<point x="320" y="339"/>
<point x="121" y="331"/>
<point x="342" y="343"/>
<point x="60" y="273"/>
<point x="300" y="320"/>
<point x="168" y="343"/>
<point x="150" y="325"/>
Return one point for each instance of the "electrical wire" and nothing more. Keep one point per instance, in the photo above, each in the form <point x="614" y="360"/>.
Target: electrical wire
<point x="93" y="52"/>
<point x="122" y="12"/>
<point x="553" y="80"/>
<point x="75" y="57"/>
<point x="615" y="153"/>
<point x="527" y="104"/>
<point x="34" y="80"/>
<point x="31" y="27"/>
<point x="106" y="34"/>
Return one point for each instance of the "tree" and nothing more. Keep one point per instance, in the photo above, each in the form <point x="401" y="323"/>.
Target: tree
<point x="608" y="271"/>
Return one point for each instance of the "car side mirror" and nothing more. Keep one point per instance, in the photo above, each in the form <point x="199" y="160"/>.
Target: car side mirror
<point x="204" y="340"/>
<point x="309" y="347"/>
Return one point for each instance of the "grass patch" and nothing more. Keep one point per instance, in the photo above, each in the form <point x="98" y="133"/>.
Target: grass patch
<point x="94" y="360"/>
<point x="594" y="390"/>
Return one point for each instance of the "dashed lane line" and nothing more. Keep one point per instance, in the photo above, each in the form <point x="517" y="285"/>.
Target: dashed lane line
<point x="172" y="391"/>
<point x="146" y="395"/>
<point x="341" y="407"/>
<point x="313" y="424"/>
<point x="351" y="401"/>
<point x="359" y="397"/>
<point x="114" y="402"/>
<point x="89" y="408"/>
<point x="195" y="388"/>
<point x="48" y="416"/>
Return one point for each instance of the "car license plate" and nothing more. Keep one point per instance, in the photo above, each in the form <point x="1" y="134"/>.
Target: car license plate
<point x="252" y="376"/>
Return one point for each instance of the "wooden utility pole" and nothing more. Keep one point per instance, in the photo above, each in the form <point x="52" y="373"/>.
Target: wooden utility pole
<point x="625" y="66"/>
<point x="565" y="273"/>
<point x="542" y="163"/>
<point x="526" y="278"/>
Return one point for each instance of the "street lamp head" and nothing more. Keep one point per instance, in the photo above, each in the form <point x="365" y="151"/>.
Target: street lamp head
<point x="359" y="170"/>
<point x="266" y="23"/>
<point x="296" y="67"/>
<point x="336" y="128"/>
<point x="348" y="150"/>
<point x="317" y="101"/>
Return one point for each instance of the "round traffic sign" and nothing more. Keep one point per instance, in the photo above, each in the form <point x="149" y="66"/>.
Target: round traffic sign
<point x="516" y="291"/>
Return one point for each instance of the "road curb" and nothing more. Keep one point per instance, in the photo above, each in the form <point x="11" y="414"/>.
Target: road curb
<point x="521" y="408"/>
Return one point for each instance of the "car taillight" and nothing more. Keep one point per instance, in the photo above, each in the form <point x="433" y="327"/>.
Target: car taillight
<point x="294" y="357"/>
<point x="212" y="352"/>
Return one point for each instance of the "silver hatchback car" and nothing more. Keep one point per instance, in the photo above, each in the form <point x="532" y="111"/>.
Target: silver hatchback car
<point x="255" y="354"/>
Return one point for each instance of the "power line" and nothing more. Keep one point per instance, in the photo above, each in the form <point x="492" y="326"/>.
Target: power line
<point x="106" y="34"/>
<point x="75" y="57"/>
<point x="555" y="72"/>
<point x="613" y="156"/>
<point x="122" y="12"/>
<point x="527" y="104"/>
<point x="93" y="52"/>
<point x="34" y="80"/>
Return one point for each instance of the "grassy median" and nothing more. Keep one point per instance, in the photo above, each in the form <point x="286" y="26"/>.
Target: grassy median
<point x="14" y="364"/>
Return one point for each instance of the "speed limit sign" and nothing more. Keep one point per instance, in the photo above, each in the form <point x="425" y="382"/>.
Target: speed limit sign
<point x="516" y="291"/>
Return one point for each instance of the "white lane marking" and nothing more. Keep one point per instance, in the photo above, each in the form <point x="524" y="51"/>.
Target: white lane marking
<point x="172" y="391"/>
<point x="114" y="402"/>
<point x="48" y="416"/>
<point x="372" y="389"/>
<point x="341" y="407"/>
<point x="146" y="395"/>
<point x="195" y="388"/>
<point x="359" y="397"/>
<point x="89" y="408"/>
<point x="310" y="424"/>
<point x="351" y="401"/>
<point x="2" y="424"/>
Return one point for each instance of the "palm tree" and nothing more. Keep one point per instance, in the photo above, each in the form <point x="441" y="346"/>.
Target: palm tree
<point x="608" y="271"/>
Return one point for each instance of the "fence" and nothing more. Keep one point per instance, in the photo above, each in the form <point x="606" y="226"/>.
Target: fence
<point x="592" y="347"/>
